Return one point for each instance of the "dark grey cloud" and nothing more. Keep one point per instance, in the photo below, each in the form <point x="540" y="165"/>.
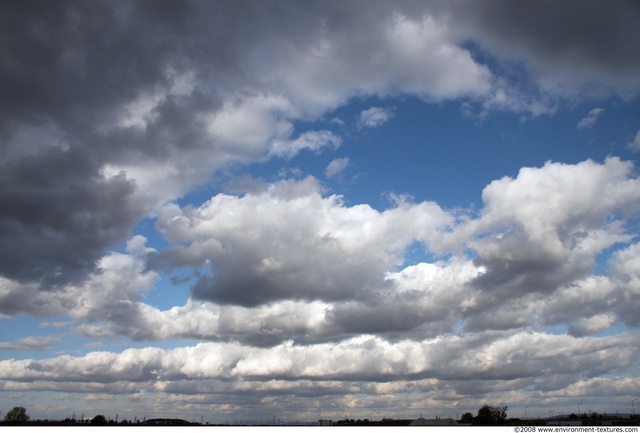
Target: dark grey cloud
<point x="239" y="281"/>
<point x="66" y="67"/>
<point x="512" y="270"/>
<point x="66" y="73"/>
<point x="595" y="44"/>
<point x="57" y="214"/>
<point x="72" y="62"/>
<point x="71" y="71"/>
<point x="69" y="74"/>
<point x="112" y="110"/>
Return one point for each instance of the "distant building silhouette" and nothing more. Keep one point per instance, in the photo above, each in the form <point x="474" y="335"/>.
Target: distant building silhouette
<point x="167" y="421"/>
<point x="433" y="422"/>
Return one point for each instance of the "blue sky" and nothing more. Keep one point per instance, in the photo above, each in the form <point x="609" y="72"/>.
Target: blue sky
<point x="231" y="210"/>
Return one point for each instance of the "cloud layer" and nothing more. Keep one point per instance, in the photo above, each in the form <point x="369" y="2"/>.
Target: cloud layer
<point x="116" y="114"/>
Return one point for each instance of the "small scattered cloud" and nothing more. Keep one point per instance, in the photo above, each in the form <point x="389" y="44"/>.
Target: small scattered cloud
<point x="590" y="119"/>
<point x="99" y="397"/>
<point x="56" y="325"/>
<point x="374" y="116"/>
<point x="315" y="141"/>
<point x="95" y="344"/>
<point x="38" y="344"/>
<point x="634" y="146"/>
<point x="336" y="167"/>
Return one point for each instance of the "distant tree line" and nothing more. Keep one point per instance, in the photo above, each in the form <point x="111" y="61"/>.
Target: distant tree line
<point x="16" y="416"/>
<point x="487" y="415"/>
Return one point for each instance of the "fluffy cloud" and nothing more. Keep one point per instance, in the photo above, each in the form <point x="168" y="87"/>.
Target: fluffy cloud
<point x="314" y="269"/>
<point x="562" y="213"/>
<point x="111" y="294"/>
<point x="374" y="116"/>
<point x="624" y="269"/>
<point x="447" y="364"/>
<point x="114" y="111"/>
<point x="289" y="242"/>
<point x="287" y="263"/>
<point x="380" y="53"/>
<point x="124" y="108"/>
<point x="312" y="140"/>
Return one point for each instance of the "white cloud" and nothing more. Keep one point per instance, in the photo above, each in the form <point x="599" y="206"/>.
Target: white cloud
<point x="304" y="299"/>
<point x="356" y="365"/>
<point x="624" y="269"/>
<point x="389" y="56"/>
<point x="592" y="325"/>
<point x="292" y="243"/>
<point x="374" y="116"/>
<point x="284" y="262"/>
<point x="28" y="343"/>
<point x="245" y="126"/>
<point x="588" y="121"/>
<point x="315" y="141"/>
<point x="112" y="293"/>
<point x="536" y="240"/>
<point x="635" y="144"/>
<point x="336" y="167"/>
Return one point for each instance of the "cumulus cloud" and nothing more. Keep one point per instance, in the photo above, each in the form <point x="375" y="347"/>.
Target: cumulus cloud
<point x="589" y="55"/>
<point x="114" y="111"/>
<point x="591" y="118"/>
<point x="446" y="364"/>
<point x="118" y="107"/>
<point x="625" y="275"/>
<point x="561" y="243"/>
<point x="291" y="243"/>
<point x="314" y="269"/>
<point x="402" y="52"/>
<point x="135" y="134"/>
<point x="284" y="262"/>
<point x="374" y="116"/>
<point x="111" y="293"/>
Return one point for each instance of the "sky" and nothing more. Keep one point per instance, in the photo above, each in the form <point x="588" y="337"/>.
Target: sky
<point x="259" y="210"/>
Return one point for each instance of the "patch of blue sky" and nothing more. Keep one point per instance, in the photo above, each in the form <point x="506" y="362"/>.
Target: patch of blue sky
<point x="416" y="253"/>
<point x="614" y="329"/>
<point x="434" y="152"/>
<point x="119" y="344"/>
<point x="171" y="289"/>
<point x="560" y="329"/>
<point x="601" y="265"/>
<point x="54" y="333"/>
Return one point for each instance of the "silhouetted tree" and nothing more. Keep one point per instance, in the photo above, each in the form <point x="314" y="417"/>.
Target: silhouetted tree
<point x="485" y="416"/>
<point x="491" y="415"/>
<point x="467" y="418"/>
<point x="99" y="420"/>
<point x="17" y="415"/>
